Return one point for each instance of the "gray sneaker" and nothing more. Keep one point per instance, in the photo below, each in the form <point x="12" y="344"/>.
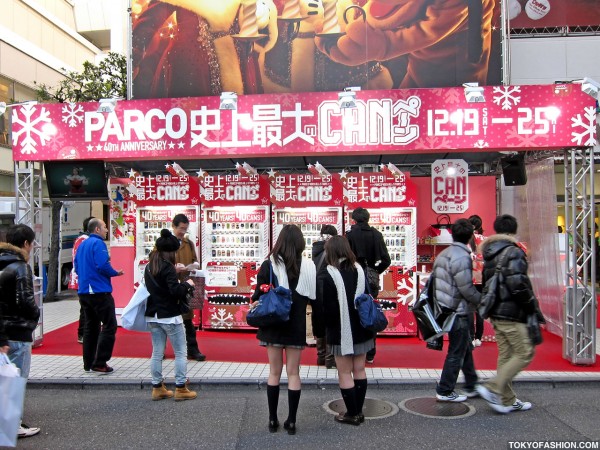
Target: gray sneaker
<point x="518" y="405"/>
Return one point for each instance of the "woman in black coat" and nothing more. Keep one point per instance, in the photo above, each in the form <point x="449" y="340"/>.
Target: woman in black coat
<point x="342" y="281"/>
<point x="291" y="271"/>
<point x="163" y="315"/>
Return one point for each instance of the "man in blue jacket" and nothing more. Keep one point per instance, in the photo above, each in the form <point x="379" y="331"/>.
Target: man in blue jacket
<point x="92" y="265"/>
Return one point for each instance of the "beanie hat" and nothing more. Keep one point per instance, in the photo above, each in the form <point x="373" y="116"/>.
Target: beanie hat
<point x="167" y="242"/>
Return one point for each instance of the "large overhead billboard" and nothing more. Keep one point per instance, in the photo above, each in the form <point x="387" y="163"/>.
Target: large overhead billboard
<point x="191" y="48"/>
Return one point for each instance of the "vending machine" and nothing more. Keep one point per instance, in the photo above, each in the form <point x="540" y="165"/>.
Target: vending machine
<point x="307" y="200"/>
<point x="390" y="198"/>
<point x="235" y="241"/>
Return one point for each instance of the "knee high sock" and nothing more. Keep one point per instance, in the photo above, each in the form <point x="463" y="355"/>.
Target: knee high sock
<point x="293" y="401"/>
<point x="273" y="400"/>
<point x="361" y="392"/>
<point x="349" y="396"/>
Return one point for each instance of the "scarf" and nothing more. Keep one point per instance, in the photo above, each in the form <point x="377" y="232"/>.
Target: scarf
<point x="307" y="285"/>
<point x="346" y="341"/>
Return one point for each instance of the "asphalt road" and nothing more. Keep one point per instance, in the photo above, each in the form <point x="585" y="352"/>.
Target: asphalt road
<point x="235" y="417"/>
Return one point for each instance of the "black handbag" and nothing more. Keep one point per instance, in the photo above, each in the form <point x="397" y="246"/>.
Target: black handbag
<point x="273" y="307"/>
<point x="370" y="312"/>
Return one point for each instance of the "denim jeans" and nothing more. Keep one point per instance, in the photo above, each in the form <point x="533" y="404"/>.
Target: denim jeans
<point x="176" y="335"/>
<point x="19" y="354"/>
<point x="459" y="357"/>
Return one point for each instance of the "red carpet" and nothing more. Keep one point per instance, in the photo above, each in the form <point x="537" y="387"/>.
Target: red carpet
<point x="242" y="346"/>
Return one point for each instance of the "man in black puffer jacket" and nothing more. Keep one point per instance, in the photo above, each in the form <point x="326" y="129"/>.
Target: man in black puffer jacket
<point x="19" y="313"/>
<point x="515" y="300"/>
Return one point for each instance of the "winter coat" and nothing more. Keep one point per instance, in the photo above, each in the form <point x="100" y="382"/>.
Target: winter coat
<point x="331" y="307"/>
<point x="453" y="271"/>
<point x="516" y="299"/>
<point x="19" y="314"/>
<point x="92" y="265"/>
<point x="166" y="292"/>
<point x="292" y="332"/>
<point x="369" y="247"/>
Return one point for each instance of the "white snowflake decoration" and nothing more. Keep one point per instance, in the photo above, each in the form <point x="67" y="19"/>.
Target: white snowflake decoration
<point x="588" y="123"/>
<point x="480" y="143"/>
<point x="404" y="285"/>
<point x="507" y="98"/>
<point x="72" y="114"/>
<point x="222" y="319"/>
<point x="31" y="127"/>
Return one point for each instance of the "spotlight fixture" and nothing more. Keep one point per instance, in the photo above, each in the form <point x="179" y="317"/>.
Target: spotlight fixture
<point x="474" y="93"/>
<point x="228" y="101"/>
<point x="4" y="106"/>
<point x="590" y="87"/>
<point x="347" y="99"/>
<point x="107" y="105"/>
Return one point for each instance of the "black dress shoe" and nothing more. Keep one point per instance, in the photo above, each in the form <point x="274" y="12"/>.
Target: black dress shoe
<point x="197" y="357"/>
<point x="273" y="425"/>
<point x="361" y="417"/>
<point x="290" y="427"/>
<point x="351" y="420"/>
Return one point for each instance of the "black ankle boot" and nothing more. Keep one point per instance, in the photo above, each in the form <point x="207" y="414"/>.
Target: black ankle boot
<point x="290" y="427"/>
<point x="273" y="426"/>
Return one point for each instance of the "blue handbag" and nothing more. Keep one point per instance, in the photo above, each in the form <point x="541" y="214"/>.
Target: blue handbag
<point x="370" y="312"/>
<point x="273" y="307"/>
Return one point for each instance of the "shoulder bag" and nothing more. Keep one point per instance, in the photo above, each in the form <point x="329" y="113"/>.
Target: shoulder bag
<point x="272" y="308"/>
<point x="370" y="312"/>
<point x="12" y="393"/>
<point x="490" y="290"/>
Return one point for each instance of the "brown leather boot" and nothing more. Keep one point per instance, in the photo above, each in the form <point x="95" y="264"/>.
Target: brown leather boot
<point x="160" y="393"/>
<point x="183" y="393"/>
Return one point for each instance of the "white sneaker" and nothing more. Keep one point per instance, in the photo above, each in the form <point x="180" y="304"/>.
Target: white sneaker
<point x="476" y="343"/>
<point x="492" y="399"/>
<point x="25" y="431"/>
<point x="451" y="397"/>
<point x="518" y="405"/>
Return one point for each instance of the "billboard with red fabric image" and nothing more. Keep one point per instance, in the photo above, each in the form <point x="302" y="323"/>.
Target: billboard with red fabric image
<point x="553" y="13"/>
<point x="192" y="48"/>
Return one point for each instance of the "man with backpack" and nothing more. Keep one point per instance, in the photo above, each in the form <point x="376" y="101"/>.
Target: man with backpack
<point x="455" y="292"/>
<point x="515" y="301"/>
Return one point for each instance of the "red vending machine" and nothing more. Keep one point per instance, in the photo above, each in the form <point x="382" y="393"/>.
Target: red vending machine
<point x="307" y="200"/>
<point x="235" y="241"/>
<point x="390" y="198"/>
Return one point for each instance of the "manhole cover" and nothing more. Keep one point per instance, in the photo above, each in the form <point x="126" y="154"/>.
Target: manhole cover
<point x="372" y="409"/>
<point x="430" y="407"/>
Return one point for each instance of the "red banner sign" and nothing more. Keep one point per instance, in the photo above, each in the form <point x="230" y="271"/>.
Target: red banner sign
<point x="163" y="189"/>
<point x="378" y="190"/>
<point x="397" y="121"/>
<point x="227" y="190"/>
<point x="302" y="190"/>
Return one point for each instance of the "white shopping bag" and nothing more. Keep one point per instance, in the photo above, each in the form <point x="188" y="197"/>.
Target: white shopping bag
<point x="12" y="393"/>
<point x="133" y="317"/>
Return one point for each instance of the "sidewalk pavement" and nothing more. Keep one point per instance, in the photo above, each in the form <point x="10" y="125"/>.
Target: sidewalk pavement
<point x="68" y="370"/>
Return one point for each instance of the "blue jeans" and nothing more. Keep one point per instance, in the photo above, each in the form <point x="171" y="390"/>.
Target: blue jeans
<point x="176" y="335"/>
<point x="19" y="354"/>
<point x="459" y="357"/>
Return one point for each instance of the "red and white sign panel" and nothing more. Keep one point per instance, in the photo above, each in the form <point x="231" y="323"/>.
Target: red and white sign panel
<point x="303" y="216"/>
<point x="553" y="13"/>
<point x="397" y="121"/>
<point x="163" y="190"/>
<point x="238" y="217"/>
<point x="378" y="190"/>
<point x="449" y="186"/>
<point x="237" y="189"/>
<point x="302" y="190"/>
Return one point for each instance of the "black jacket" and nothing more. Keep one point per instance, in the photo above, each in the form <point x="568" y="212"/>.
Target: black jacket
<point x="19" y="313"/>
<point x="369" y="247"/>
<point x="515" y="299"/>
<point x="292" y="332"/>
<point x="166" y="292"/>
<point x="331" y="308"/>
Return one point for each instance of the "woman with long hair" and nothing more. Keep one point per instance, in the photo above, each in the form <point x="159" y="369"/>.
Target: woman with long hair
<point x="296" y="273"/>
<point x="163" y="314"/>
<point x="348" y="341"/>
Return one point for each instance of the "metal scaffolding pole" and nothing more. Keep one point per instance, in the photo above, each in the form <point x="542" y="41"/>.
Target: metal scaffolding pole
<point x="28" y="211"/>
<point x="579" y="333"/>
